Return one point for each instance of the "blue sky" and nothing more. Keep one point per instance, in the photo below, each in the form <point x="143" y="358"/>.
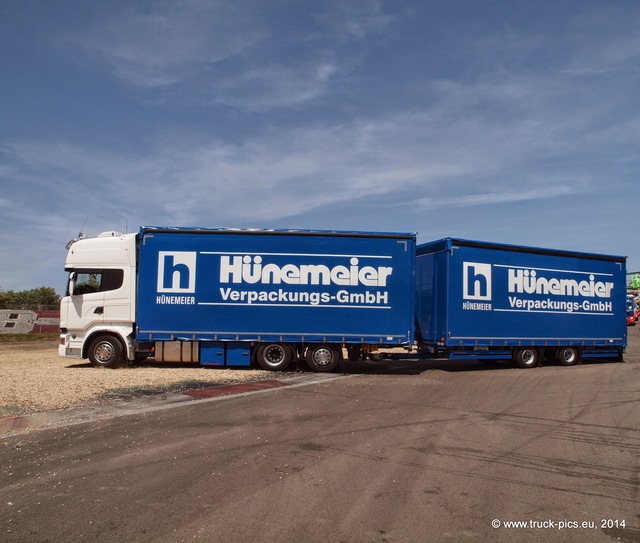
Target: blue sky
<point x="508" y="121"/>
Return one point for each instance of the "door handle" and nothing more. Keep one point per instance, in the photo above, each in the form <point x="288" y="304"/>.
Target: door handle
<point x="99" y="310"/>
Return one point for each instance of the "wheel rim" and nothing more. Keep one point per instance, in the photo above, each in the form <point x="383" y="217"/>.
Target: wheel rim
<point x="568" y="356"/>
<point x="528" y="357"/>
<point x="104" y="352"/>
<point x="274" y="355"/>
<point x="322" y="356"/>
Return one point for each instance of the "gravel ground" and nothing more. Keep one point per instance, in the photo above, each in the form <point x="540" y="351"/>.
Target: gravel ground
<point x="34" y="378"/>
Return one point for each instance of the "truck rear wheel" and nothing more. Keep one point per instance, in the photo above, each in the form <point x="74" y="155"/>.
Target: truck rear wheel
<point x="323" y="357"/>
<point x="105" y="352"/>
<point x="568" y="356"/>
<point x="274" y="356"/>
<point x="526" y="357"/>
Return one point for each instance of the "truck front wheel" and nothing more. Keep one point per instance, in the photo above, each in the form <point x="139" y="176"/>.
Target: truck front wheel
<point x="105" y="352"/>
<point x="274" y="356"/>
<point x="323" y="357"/>
<point x="527" y="357"/>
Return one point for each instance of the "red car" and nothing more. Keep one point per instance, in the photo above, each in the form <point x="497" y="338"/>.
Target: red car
<point x="632" y="312"/>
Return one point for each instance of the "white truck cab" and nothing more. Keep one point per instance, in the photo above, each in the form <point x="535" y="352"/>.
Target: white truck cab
<point x="97" y="314"/>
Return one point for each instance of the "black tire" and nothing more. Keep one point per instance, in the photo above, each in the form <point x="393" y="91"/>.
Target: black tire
<point x="568" y="356"/>
<point x="274" y="356"/>
<point x="105" y="352"/>
<point x="323" y="357"/>
<point x="527" y="357"/>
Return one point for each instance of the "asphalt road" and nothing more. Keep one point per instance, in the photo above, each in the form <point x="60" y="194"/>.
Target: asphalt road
<point x="409" y="452"/>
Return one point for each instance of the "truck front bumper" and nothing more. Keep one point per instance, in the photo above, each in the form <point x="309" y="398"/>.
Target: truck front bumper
<point x="68" y="348"/>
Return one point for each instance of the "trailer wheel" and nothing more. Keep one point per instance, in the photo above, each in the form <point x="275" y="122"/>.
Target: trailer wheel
<point x="568" y="356"/>
<point x="526" y="357"/>
<point x="323" y="357"/>
<point x="105" y="352"/>
<point x="274" y="356"/>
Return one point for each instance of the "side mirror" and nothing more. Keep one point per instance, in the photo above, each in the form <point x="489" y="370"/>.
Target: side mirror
<point x="72" y="283"/>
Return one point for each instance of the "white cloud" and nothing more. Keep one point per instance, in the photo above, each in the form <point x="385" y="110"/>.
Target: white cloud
<point x="493" y="198"/>
<point x="233" y="53"/>
<point x="169" y="42"/>
<point x="267" y="87"/>
<point x="355" y="19"/>
<point x="466" y="162"/>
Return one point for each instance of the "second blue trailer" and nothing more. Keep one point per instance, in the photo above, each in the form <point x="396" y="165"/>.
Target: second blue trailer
<point x="484" y="300"/>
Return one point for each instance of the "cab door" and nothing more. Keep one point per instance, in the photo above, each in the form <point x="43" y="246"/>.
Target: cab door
<point x="86" y="304"/>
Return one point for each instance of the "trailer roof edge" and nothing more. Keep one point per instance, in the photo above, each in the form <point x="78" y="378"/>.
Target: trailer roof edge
<point x="452" y="242"/>
<point x="282" y="232"/>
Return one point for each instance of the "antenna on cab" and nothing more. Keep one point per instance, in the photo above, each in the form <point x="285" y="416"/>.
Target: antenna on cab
<point x="80" y="234"/>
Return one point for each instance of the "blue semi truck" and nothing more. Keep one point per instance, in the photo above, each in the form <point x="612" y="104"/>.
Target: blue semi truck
<point x="231" y="297"/>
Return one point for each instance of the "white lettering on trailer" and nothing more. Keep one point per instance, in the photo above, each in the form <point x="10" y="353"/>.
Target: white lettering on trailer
<point x="361" y="298"/>
<point x="476" y="306"/>
<point x="281" y="297"/>
<point x="251" y="270"/>
<point x="527" y="281"/>
<point x="175" y="300"/>
<point x="560" y="306"/>
<point x="543" y="305"/>
<point x="597" y="307"/>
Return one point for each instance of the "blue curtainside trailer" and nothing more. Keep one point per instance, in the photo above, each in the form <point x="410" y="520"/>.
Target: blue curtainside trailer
<point x="235" y="295"/>
<point x="494" y="301"/>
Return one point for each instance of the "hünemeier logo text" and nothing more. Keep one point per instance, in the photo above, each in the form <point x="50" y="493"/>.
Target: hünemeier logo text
<point x="248" y="269"/>
<point x="527" y="281"/>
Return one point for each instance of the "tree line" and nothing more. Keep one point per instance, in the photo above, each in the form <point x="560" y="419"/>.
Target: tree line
<point x="36" y="298"/>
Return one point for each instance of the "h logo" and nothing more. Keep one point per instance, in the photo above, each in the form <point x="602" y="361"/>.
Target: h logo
<point x="476" y="281"/>
<point x="176" y="271"/>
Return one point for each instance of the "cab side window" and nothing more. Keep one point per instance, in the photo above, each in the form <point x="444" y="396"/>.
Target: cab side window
<point x="90" y="281"/>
